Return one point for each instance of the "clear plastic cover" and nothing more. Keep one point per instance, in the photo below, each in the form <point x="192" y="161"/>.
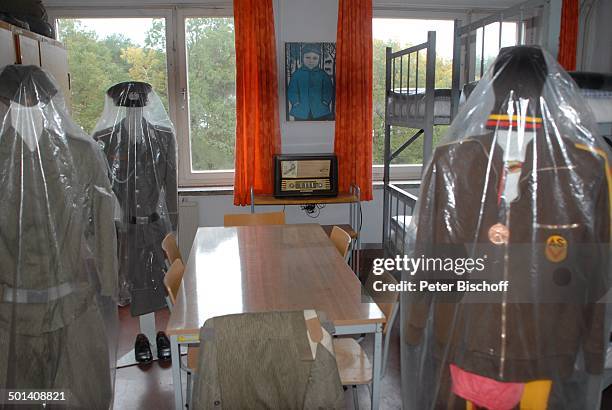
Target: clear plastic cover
<point x="512" y="234"/>
<point x="58" y="281"/>
<point x="138" y="140"/>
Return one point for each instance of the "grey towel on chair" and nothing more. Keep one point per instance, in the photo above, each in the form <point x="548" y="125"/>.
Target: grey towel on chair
<point x="265" y="361"/>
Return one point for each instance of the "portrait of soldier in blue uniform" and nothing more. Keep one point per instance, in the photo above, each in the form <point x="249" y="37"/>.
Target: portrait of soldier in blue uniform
<point x="310" y="89"/>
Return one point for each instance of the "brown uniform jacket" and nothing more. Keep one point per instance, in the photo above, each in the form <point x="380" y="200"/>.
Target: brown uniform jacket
<point x="536" y="330"/>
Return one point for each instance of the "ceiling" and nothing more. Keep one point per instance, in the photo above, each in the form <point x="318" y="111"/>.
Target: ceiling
<point x="449" y="4"/>
<point x="417" y="4"/>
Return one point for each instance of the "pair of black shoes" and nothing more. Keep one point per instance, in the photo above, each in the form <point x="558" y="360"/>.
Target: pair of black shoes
<point x="142" y="348"/>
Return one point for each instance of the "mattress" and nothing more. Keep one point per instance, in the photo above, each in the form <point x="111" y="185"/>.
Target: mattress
<point x="406" y="104"/>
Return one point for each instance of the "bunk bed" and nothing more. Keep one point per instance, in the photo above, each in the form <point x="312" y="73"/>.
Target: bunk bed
<point x="412" y="101"/>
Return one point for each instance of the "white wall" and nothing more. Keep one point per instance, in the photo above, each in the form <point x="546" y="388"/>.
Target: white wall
<point x="213" y="207"/>
<point x="313" y="21"/>
<point x="595" y="37"/>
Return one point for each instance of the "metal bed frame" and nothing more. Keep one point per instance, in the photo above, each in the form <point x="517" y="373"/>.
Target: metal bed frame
<point x="424" y="123"/>
<point x="464" y="43"/>
<point x="464" y="70"/>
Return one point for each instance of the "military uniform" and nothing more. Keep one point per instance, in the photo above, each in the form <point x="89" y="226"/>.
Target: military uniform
<point x="522" y="186"/>
<point x="143" y="177"/>
<point x="57" y="218"/>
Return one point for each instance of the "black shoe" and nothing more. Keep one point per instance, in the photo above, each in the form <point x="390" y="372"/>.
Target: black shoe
<point x="163" y="346"/>
<point x="142" y="349"/>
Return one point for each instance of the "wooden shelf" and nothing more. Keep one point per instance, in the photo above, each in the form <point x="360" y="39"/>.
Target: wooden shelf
<point x="271" y="200"/>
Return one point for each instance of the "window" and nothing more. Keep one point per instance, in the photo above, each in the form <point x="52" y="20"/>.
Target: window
<point x="398" y="34"/>
<point x="211" y="72"/>
<point x="206" y="89"/>
<point x="105" y="51"/>
<point x="188" y="55"/>
<point x="494" y="40"/>
<point x="194" y="46"/>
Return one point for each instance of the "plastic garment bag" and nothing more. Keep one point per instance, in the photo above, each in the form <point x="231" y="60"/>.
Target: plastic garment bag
<point x="58" y="281"/>
<point x="512" y="230"/>
<point x="138" y="141"/>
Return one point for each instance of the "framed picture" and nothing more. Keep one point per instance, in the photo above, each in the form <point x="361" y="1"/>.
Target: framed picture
<point x="310" y="81"/>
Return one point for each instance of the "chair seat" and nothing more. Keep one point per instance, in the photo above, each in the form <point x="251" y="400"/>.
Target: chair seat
<point x="353" y="363"/>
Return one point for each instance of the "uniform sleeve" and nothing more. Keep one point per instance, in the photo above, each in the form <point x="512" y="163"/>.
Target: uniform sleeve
<point x="595" y="342"/>
<point x="170" y="182"/>
<point x="105" y="237"/>
<point x="419" y="304"/>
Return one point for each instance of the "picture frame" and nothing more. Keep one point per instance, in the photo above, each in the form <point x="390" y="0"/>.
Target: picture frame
<point x="310" y="81"/>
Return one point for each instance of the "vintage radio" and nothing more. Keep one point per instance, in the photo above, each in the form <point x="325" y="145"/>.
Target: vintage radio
<point x="300" y="175"/>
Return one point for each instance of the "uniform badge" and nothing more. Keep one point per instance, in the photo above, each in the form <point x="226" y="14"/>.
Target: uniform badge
<point x="499" y="234"/>
<point x="101" y="144"/>
<point x="556" y="248"/>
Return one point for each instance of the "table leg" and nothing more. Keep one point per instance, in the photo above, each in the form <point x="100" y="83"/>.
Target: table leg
<point x="376" y="369"/>
<point x="176" y="372"/>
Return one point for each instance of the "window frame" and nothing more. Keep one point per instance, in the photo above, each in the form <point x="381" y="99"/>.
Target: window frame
<point x="176" y="66"/>
<point x="176" y="55"/>
<point x="188" y="177"/>
<point x="56" y="14"/>
<point x="403" y="172"/>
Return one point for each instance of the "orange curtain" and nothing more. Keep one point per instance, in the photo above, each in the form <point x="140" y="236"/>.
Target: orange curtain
<point x="353" y="140"/>
<point x="257" y="123"/>
<point x="568" y="36"/>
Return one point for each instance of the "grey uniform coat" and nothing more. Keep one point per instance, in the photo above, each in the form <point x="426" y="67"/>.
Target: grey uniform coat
<point x="57" y="215"/>
<point x="143" y="177"/>
<point x="265" y="361"/>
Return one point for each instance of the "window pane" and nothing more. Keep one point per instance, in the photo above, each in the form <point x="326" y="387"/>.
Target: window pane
<point x="399" y="34"/>
<point x="211" y="70"/>
<point x="106" y="51"/>
<point x="509" y="34"/>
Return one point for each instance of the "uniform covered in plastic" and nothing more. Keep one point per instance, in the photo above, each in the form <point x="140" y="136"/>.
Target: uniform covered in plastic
<point x="512" y="229"/>
<point x="58" y="281"/>
<point x="138" y="140"/>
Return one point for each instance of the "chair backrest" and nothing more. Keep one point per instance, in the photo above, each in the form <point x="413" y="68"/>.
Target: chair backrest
<point x="173" y="279"/>
<point x="290" y="371"/>
<point x="342" y="240"/>
<point x="386" y="301"/>
<point x="171" y="249"/>
<point x="269" y="218"/>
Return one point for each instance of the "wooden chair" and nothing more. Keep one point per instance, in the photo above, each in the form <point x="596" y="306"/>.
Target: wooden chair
<point x="171" y="249"/>
<point x="353" y="364"/>
<point x="269" y="218"/>
<point x="342" y="240"/>
<point x="173" y="279"/>
<point x="388" y="303"/>
<point x="172" y="282"/>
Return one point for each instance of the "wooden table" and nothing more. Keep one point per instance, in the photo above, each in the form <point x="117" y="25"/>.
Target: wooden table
<point x="269" y="268"/>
